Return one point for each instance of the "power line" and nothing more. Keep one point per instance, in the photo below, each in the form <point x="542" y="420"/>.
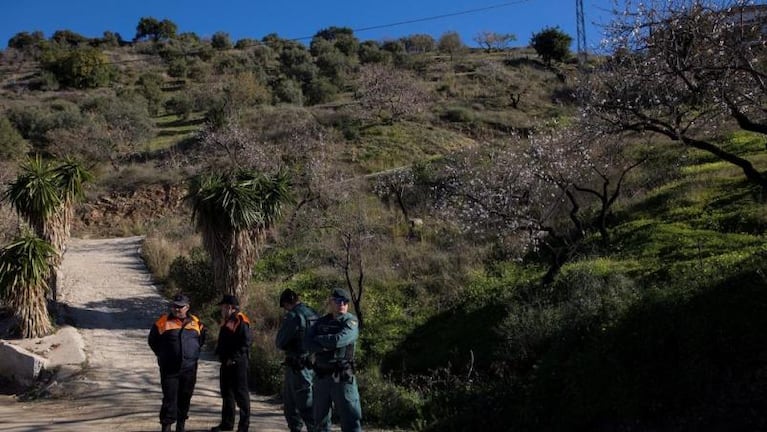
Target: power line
<point x="394" y="24"/>
<point x="429" y="18"/>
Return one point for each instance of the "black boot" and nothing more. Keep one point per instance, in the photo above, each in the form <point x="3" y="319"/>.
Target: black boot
<point x="166" y="427"/>
<point x="180" y="426"/>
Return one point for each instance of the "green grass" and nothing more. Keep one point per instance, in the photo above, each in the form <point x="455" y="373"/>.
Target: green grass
<point x="172" y="128"/>
<point x="384" y="147"/>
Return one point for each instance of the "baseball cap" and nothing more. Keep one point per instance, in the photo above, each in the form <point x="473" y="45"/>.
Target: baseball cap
<point x="180" y="300"/>
<point x="340" y="293"/>
<point x="230" y="300"/>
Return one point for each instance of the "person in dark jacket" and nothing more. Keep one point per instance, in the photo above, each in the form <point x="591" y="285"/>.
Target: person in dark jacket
<point x="297" y="383"/>
<point x="233" y="350"/>
<point x="176" y="338"/>
<point x="333" y="338"/>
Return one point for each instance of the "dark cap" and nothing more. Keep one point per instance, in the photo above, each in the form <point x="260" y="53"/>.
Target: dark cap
<point x="229" y="300"/>
<point x="180" y="300"/>
<point x="341" y="293"/>
<point x="288" y="296"/>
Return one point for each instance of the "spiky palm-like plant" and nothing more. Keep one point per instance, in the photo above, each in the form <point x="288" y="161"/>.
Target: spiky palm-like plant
<point x="24" y="269"/>
<point x="44" y="196"/>
<point x="71" y="178"/>
<point x="233" y="211"/>
<point x="35" y="194"/>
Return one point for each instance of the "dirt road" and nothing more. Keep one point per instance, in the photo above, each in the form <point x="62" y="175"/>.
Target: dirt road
<point x="111" y="300"/>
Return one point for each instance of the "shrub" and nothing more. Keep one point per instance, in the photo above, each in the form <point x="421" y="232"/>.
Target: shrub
<point x="551" y="43"/>
<point x="158" y="254"/>
<point x="265" y="364"/>
<point x="12" y="145"/>
<point x="459" y="115"/>
<point x="221" y="41"/>
<point x="193" y="275"/>
<point x="150" y="86"/>
<point x="288" y="91"/>
<point x="321" y="90"/>
<point x="178" y="67"/>
<point x="386" y="403"/>
<point x="80" y="68"/>
<point x="34" y="123"/>
<point x="180" y="104"/>
<point x="125" y="118"/>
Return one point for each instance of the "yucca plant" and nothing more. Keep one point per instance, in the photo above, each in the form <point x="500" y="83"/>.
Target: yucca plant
<point x="24" y="270"/>
<point x="71" y="177"/>
<point x="36" y="197"/>
<point x="233" y="211"/>
<point x="44" y="194"/>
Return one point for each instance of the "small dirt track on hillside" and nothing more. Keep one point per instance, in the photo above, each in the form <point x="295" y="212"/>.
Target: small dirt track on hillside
<point x="111" y="300"/>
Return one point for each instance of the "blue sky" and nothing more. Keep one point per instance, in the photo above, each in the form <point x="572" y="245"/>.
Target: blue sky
<point x="303" y="18"/>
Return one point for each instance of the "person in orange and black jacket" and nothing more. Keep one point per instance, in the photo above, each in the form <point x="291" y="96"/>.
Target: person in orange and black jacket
<point x="176" y="338"/>
<point x="233" y="350"/>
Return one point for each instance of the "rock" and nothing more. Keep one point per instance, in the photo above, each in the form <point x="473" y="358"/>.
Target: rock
<point x="19" y="365"/>
<point x="24" y="360"/>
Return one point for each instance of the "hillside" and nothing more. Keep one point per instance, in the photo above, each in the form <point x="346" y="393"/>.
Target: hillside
<point x="530" y="245"/>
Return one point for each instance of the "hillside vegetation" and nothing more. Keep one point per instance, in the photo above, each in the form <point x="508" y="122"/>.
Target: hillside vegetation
<point x="531" y="245"/>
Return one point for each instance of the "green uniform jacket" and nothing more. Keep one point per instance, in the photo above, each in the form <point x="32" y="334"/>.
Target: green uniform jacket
<point x="290" y="337"/>
<point x="333" y="340"/>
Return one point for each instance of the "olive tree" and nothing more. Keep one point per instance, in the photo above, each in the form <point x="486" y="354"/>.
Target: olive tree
<point x="82" y="68"/>
<point x="451" y="43"/>
<point x="155" y="29"/>
<point x="551" y="43"/>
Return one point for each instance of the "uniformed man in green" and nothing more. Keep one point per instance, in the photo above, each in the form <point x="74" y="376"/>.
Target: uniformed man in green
<point x="297" y="385"/>
<point x="332" y="339"/>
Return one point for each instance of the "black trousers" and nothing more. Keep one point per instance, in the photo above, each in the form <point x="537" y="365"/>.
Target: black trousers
<point x="177" y="389"/>
<point x="234" y="390"/>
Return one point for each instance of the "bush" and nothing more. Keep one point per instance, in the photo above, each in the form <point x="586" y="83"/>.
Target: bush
<point x="221" y="41"/>
<point x="321" y="90"/>
<point x="125" y="118"/>
<point x="193" y="275"/>
<point x="34" y="123"/>
<point x="150" y="86"/>
<point x="12" y="144"/>
<point x="459" y="115"/>
<point x="386" y="403"/>
<point x="288" y="91"/>
<point x="180" y="104"/>
<point x="80" y="68"/>
<point x="551" y="43"/>
<point x="265" y="365"/>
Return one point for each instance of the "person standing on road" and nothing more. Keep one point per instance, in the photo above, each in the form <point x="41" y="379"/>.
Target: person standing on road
<point x="233" y="350"/>
<point x="332" y="338"/>
<point x="176" y="338"/>
<point x="297" y="382"/>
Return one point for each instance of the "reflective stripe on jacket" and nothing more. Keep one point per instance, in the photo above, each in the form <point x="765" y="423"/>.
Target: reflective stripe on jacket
<point x="176" y="342"/>
<point x="234" y="338"/>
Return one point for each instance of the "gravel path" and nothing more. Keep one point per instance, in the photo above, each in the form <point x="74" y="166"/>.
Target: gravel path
<point x="109" y="296"/>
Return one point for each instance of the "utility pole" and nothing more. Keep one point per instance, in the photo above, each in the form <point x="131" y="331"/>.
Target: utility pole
<point x="581" y="33"/>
